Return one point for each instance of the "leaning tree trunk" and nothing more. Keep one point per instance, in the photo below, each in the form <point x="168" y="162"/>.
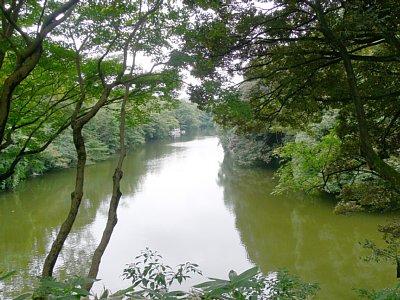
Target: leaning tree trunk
<point x="76" y="199"/>
<point x="114" y="202"/>
<point x="373" y="160"/>
<point x="77" y="124"/>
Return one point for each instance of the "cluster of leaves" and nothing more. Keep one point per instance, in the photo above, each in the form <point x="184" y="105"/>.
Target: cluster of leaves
<point x="154" y="278"/>
<point x="251" y="284"/>
<point x="390" y="252"/>
<point x="367" y="193"/>
<point x="384" y="294"/>
<point x="391" y="236"/>
<point x="247" y="285"/>
<point x="305" y="161"/>
<point x="69" y="289"/>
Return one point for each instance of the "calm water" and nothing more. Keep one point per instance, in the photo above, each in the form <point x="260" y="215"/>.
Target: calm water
<point x="183" y="200"/>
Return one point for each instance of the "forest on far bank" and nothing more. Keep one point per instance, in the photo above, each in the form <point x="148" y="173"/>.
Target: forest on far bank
<point x="101" y="136"/>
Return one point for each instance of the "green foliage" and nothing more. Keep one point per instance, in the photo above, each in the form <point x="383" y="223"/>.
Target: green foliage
<point x="102" y="138"/>
<point x="391" y="236"/>
<point x="154" y="278"/>
<point x="297" y="60"/>
<point x="247" y="285"/>
<point x="18" y="175"/>
<point x="188" y="116"/>
<point x="305" y="162"/>
<point x="384" y="294"/>
<point x="367" y="193"/>
<point x="251" y="284"/>
<point x="7" y="275"/>
<point x="49" y="288"/>
<point x="318" y="159"/>
<point x="160" y="125"/>
<point x="288" y="286"/>
<point x="71" y="288"/>
<point x="41" y="106"/>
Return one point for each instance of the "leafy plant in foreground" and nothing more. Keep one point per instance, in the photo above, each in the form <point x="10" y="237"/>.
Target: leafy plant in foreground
<point x="71" y="288"/>
<point x="7" y="275"/>
<point x="246" y="285"/>
<point x="252" y="284"/>
<point x="4" y="277"/>
<point x="384" y="294"/>
<point x="288" y="286"/>
<point x="391" y="236"/>
<point x="154" y="278"/>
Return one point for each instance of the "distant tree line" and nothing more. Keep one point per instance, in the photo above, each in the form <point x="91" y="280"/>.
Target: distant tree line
<point x="102" y="139"/>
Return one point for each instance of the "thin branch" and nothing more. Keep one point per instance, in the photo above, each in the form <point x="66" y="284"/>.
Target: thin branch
<point x="41" y="16"/>
<point x="10" y="20"/>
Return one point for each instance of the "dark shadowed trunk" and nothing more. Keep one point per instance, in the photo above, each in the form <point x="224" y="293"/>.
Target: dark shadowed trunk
<point x="398" y="267"/>
<point x="115" y="197"/>
<point x="76" y="198"/>
<point x="77" y="194"/>
<point x="372" y="158"/>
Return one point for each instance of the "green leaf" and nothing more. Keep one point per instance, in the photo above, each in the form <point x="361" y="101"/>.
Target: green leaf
<point x="54" y="284"/>
<point x="247" y="274"/>
<point x="105" y="294"/>
<point x="9" y="274"/>
<point x="23" y="296"/>
<point x="80" y="291"/>
<point x="232" y="275"/>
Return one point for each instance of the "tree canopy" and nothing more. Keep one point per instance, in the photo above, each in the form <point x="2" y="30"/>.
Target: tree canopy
<point x="302" y="59"/>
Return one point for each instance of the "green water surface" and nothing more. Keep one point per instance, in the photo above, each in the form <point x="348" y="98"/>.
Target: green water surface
<point x="184" y="200"/>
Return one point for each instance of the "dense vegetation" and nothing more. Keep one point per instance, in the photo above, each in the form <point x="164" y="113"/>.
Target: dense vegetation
<point x="322" y="73"/>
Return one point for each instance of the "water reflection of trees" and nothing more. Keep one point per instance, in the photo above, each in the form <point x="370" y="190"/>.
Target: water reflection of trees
<point x="31" y="216"/>
<point x="302" y="234"/>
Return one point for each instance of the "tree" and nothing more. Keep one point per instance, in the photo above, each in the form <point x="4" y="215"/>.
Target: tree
<point x="106" y="45"/>
<point x="25" y="27"/>
<point x="304" y="58"/>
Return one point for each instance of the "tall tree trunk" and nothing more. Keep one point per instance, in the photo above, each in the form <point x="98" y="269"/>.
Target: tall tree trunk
<point x="372" y="158"/>
<point x="76" y="199"/>
<point x="77" y="124"/>
<point x="115" y="197"/>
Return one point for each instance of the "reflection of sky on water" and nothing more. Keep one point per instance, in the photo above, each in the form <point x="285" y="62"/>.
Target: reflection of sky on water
<point x="178" y="211"/>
